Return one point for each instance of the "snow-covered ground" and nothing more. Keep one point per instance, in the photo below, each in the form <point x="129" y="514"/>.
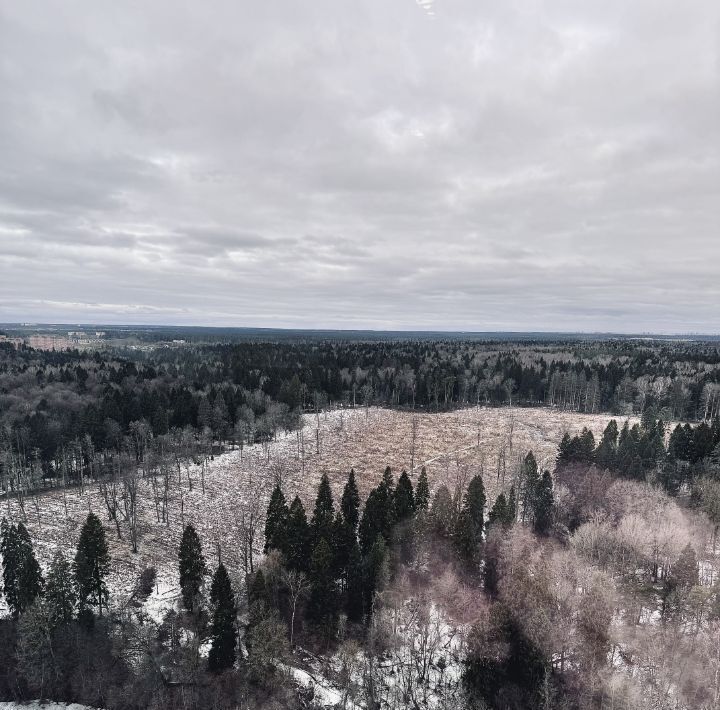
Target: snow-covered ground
<point x="40" y="705"/>
<point x="332" y="442"/>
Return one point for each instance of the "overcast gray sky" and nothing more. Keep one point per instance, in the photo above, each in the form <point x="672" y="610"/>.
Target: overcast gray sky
<point x="457" y="164"/>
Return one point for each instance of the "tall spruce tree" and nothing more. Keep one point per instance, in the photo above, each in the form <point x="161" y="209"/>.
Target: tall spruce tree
<point x="606" y="452"/>
<point x="11" y="564"/>
<point x="404" y="498"/>
<point x="60" y="592"/>
<point x="323" y="590"/>
<point x="471" y="521"/>
<point x="529" y="477"/>
<point x="224" y="617"/>
<point x="276" y="521"/>
<point x="371" y="522"/>
<point x="30" y="579"/>
<point x="191" y="566"/>
<point x="375" y="573"/>
<point x="22" y="578"/>
<point x="544" y="505"/>
<point x="350" y="503"/>
<point x="512" y="506"/>
<point x="92" y="564"/>
<point x="297" y="543"/>
<point x="422" y="491"/>
<point x="323" y="517"/>
<point x="354" y="585"/>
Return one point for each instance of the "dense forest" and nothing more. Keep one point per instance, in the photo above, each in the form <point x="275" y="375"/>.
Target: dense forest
<point x="65" y="415"/>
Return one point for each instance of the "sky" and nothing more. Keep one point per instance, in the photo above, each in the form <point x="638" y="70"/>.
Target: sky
<point x="390" y="164"/>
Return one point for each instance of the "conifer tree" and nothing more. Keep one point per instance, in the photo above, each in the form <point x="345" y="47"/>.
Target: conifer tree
<point x="22" y="578"/>
<point x="372" y="520"/>
<point x="92" y="564"/>
<point x="323" y="591"/>
<point x="499" y="512"/>
<point x="224" y="631"/>
<point x="323" y="517"/>
<point x="354" y="586"/>
<point x="529" y="479"/>
<point x="297" y="543"/>
<point x="376" y="572"/>
<point x="191" y="566"/>
<point x="350" y="503"/>
<point x="60" y="592"/>
<point x="30" y="579"/>
<point x="606" y="452"/>
<point x="11" y="564"/>
<point x="511" y="506"/>
<point x="386" y="500"/>
<point x="422" y="491"/>
<point x="544" y="505"/>
<point x="470" y="523"/>
<point x="442" y="512"/>
<point x="276" y="521"/>
<point x="404" y="498"/>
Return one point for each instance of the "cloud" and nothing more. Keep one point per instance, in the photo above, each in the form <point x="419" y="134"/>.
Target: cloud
<point x="546" y="166"/>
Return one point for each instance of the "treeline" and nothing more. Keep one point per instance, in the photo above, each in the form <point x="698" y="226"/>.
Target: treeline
<point x="639" y="452"/>
<point x="59" y="409"/>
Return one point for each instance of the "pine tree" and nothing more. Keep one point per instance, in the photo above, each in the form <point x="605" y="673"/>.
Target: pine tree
<point x="606" y="452"/>
<point x="376" y="572"/>
<point x="324" y="513"/>
<point x="470" y="523"/>
<point x="192" y="567"/>
<point x="371" y="522"/>
<point x="350" y="503"/>
<point x="422" y="491"/>
<point x="511" y="507"/>
<point x="386" y="498"/>
<point x="544" y="505"/>
<point x="499" y="512"/>
<point x="354" y="587"/>
<point x="92" y="564"/>
<point x="22" y="578"/>
<point x="323" y="591"/>
<point x="30" y="579"/>
<point x="529" y="477"/>
<point x="223" y="631"/>
<point x="276" y="521"/>
<point x="297" y="543"/>
<point x="404" y="498"/>
<point x="11" y="564"/>
<point x="442" y="512"/>
<point x="60" y="593"/>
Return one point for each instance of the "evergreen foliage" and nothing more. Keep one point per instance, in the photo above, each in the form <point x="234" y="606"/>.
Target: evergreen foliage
<point x="422" y="491"/>
<point x="404" y="498"/>
<point x="297" y="544"/>
<point x="323" y="590"/>
<point x="92" y="564"/>
<point x="276" y="521"/>
<point x="223" y="630"/>
<point x="22" y="578"/>
<point x="60" y="591"/>
<point x="350" y="503"/>
<point x="471" y="521"/>
<point x="323" y="518"/>
<point x="192" y="567"/>
<point x="544" y="505"/>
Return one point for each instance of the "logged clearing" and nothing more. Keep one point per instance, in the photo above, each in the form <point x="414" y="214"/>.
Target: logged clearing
<point x="452" y="446"/>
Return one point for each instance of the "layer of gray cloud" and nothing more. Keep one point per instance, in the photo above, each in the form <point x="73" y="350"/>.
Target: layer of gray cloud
<point x="456" y="164"/>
